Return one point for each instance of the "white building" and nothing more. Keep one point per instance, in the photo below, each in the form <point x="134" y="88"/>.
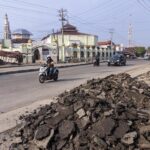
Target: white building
<point x="78" y="46"/>
<point x="72" y="36"/>
<point x="119" y="47"/>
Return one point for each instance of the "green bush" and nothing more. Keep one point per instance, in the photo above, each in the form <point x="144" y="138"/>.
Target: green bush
<point x="140" y="51"/>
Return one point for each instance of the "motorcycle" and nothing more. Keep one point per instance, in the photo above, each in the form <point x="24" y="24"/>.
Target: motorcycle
<point x="43" y="74"/>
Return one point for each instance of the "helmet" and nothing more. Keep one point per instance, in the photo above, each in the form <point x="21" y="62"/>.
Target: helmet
<point x="48" y="56"/>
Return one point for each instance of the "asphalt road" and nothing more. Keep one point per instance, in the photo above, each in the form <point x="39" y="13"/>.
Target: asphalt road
<point x="18" y="90"/>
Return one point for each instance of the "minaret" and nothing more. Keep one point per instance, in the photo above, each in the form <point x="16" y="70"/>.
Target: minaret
<point x="7" y="32"/>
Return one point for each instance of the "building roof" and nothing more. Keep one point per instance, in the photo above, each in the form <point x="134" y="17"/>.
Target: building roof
<point x="22" y="32"/>
<point x="72" y="33"/>
<point x="102" y="43"/>
<point x="68" y="30"/>
<point x="129" y="51"/>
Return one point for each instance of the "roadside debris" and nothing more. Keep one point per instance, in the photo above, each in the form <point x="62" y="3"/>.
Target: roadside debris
<point x="102" y="114"/>
<point x="145" y="77"/>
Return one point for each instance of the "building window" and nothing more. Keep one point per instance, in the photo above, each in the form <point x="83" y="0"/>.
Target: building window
<point x="75" y="54"/>
<point x="93" y="54"/>
<point x="36" y="55"/>
<point x="82" y="47"/>
<point x="93" y="47"/>
<point x="74" y="45"/>
<point x="109" y="47"/>
<point x="102" y="54"/>
<point x="106" y="54"/>
<point x="82" y="54"/>
<point x="88" y="54"/>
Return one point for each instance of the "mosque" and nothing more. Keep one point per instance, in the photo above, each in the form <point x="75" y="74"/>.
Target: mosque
<point x="77" y="46"/>
<point x="17" y="41"/>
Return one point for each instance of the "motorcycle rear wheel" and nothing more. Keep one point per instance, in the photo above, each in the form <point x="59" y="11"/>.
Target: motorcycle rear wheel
<point x="56" y="77"/>
<point x="41" y="79"/>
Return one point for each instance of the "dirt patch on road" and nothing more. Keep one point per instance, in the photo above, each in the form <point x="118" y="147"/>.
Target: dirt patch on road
<point x="109" y="113"/>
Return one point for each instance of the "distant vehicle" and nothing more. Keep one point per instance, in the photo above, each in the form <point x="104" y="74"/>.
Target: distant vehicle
<point x="117" y="59"/>
<point x="147" y="57"/>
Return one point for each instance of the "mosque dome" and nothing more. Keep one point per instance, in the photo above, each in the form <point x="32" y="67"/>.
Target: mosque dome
<point x="22" y="32"/>
<point x="21" y="36"/>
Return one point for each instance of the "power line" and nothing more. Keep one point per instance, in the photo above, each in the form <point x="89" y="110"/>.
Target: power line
<point x="97" y="26"/>
<point x="94" y="8"/>
<point x="25" y="9"/>
<point x="33" y="4"/>
<point x="104" y="30"/>
<point x="28" y="9"/>
<point x="109" y="19"/>
<point x="143" y="6"/>
<point x="146" y="3"/>
<point x="105" y="11"/>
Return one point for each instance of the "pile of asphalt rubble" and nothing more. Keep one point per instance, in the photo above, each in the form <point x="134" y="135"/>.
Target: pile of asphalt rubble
<point x="103" y="114"/>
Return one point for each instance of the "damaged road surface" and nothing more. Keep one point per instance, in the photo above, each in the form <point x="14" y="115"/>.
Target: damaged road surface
<point x="103" y="114"/>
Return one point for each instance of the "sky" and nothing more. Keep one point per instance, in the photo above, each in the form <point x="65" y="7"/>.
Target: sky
<point x="97" y="17"/>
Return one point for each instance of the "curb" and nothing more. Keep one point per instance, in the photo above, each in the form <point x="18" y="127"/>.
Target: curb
<point x="11" y="66"/>
<point x="32" y="70"/>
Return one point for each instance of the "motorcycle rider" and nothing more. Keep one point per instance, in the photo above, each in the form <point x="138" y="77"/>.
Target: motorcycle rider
<point x="50" y="64"/>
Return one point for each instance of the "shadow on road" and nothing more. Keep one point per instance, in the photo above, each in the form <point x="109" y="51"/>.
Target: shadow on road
<point x="63" y="80"/>
<point x="128" y="64"/>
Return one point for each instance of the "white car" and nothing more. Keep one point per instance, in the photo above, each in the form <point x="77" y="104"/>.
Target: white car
<point x="147" y="57"/>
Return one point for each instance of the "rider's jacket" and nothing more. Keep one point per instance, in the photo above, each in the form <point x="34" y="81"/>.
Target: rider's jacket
<point x="50" y="62"/>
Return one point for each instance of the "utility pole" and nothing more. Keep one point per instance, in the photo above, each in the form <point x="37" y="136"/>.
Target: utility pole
<point x="56" y="41"/>
<point x="57" y="47"/>
<point x="130" y="36"/>
<point x="62" y="15"/>
<point x="111" y="31"/>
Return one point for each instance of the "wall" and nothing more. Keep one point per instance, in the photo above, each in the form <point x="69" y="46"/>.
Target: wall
<point x="21" y="36"/>
<point x="68" y="39"/>
<point x="6" y="43"/>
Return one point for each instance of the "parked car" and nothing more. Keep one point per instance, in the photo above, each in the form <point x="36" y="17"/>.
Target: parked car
<point x="147" y="57"/>
<point x="117" y="59"/>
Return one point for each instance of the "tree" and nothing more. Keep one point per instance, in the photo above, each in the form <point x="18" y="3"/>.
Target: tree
<point x="140" y="51"/>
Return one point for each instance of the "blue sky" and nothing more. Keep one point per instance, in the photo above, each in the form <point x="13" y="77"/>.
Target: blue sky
<point x="90" y="16"/>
